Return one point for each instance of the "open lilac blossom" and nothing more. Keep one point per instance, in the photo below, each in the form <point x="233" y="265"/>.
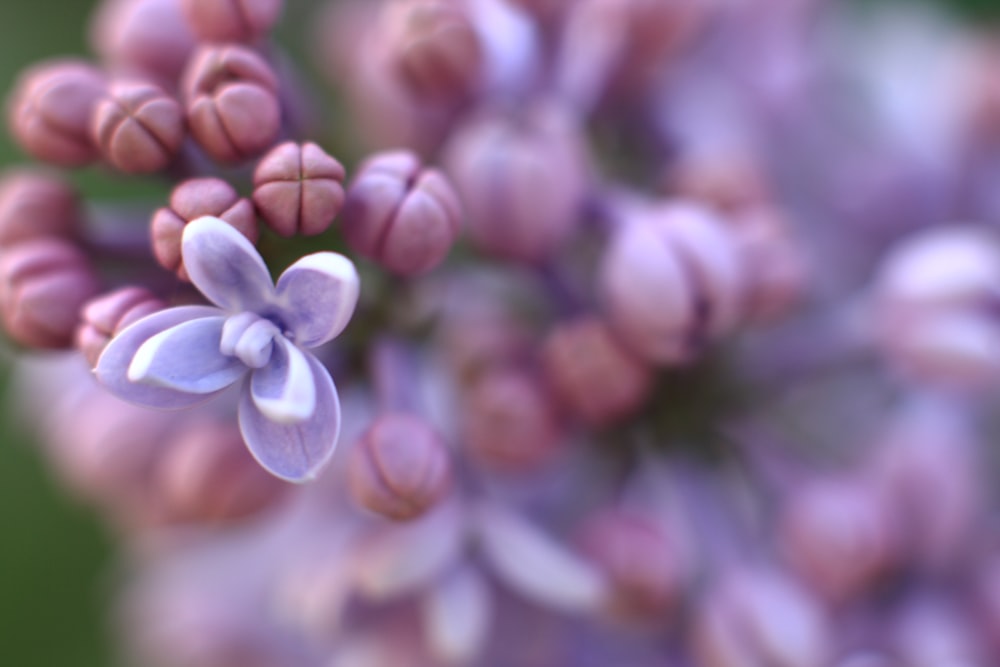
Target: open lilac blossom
<point x="257" y="333"/>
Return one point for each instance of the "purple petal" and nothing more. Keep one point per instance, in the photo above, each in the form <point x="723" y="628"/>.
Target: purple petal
<point x="225" y="266"/>
<point x="112" y="367"/>
<point x="284" y="390"/>
<point x="317" y="296"/>
<point x="186" y="357"/>
<point x="294" y="452"/>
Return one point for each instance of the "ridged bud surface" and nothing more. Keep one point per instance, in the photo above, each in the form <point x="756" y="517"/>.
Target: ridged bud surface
<point x="138" y="127"/>
<point x="298" y="189"/>
<point x="34" y="204"/>
<point x="106" y="315"/>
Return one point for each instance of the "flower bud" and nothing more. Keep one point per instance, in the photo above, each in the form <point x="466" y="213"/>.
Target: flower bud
<point x="730" y="180"/>
<point x="138" y="127"/>
<point x="592" y="375"/>
<point x="776" y="270"/>
<point x="233" y="109"/>
<point x="51" y="108"/>
<point x="297" y="189"/>
<point x="231" y="20"/>
<point x="509" y="421"/>
<point x="400" y="467"/>
<point x="106" y="315"/>
<point x="400" y="214"/>
<point x="206" y="474"/>
<point x="522" y="180"/>
<point x="43" y="284"/>
<point x="146" y="37"/>
<point x="671" y="280"/>
<point x="36" y="204"/>
<point x="193" y="199"/>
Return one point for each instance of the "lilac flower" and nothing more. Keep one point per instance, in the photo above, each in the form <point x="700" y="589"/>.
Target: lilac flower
<point x="289" y="412"/>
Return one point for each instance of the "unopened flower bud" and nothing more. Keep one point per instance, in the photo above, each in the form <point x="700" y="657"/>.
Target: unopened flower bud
<point x="298" y="189"/>
<point x="231" y="20"/>
<point x="106" y="315"/>
<point x="776" y="270"/>
<point x="400" y="214"/>
<point x="36" y="204"/>
<point x="207" y="474"/>
<point x="138" y="127"/>
<point x="522" y="181"/>
<point x="233" y="108"/>
<point x="728" y="180"/>
<point x="147" y="37"/>
<point x="400" y="467"/>
<point x="51" y="109"/>
<point x="193" y="199"/>
<point x="43" y="284"/>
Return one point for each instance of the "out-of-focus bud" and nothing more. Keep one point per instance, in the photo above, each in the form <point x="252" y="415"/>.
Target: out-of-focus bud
<point x="757" y="617"/>
<point x="935" y="301"/>
<point x="43" y="284"/>
<point x="50" y="111"/>
<point x="400" y="467"/>
<point x="433" y="45"/>
<point x="233" y="108"/>
<point x="401" y="214"/>
<point x="509" y="421"/>
<point x="147" y="37"/>
<point x="138" y="127"/>
<point x="592" y="375"/>
<point x="839" y="535"/>
<point x="776" y="270"/>
<point x="206" y="474"/>
<point x="297" y="189"/>
<point x="730" y="180"/>
<point x="646" y="573"/>
<point x="522" y="179"/>
<point x="672" y="280"/>
<point x="192" y="199"/>
<point x="103" y="317"/>
<point x="36" y="204"/>
<point x="231" y="20"/>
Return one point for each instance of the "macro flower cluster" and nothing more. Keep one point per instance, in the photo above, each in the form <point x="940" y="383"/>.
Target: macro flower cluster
<point x="501" y="333"/>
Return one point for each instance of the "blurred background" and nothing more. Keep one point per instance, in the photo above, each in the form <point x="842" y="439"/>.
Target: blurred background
<point x="55" y="561"/>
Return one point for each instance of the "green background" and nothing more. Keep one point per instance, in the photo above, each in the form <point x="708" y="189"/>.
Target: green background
<point x="53" y="553"/>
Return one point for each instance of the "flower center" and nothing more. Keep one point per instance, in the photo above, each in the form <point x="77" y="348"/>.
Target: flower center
<point x="248" y="337"/>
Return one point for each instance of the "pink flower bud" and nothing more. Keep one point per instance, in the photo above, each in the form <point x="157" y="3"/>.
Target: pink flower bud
<point x="776" y="268"/>
<point x="231" y="20"/>
<point x="147" y="37"/>
<point x="400" y="214"/>
<point x="592" y="375"/>
<point x="728" y="180"/>
<point x="233" y="108"/>
<point x="50" y="111"/>
<point x="36" y="204"/>
<point x="190" y="200"/>
<point x="509" y="421"/>
<point x="298" y="189"/>
<point x="400" y="467"/>
<point x="138" y="127"/>
<point x="206" y="474"/>
<point x="106" y="315"/>
<point x="43" y="284"/>
<point x="522" y="180"/>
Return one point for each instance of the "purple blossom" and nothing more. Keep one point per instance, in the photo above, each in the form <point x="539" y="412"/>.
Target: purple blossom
<point x="257" y="332"/>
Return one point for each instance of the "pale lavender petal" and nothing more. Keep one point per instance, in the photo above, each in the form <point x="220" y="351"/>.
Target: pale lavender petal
<point x="294" y="452"/>
<point x="284" y="390"/>
<point x="457" y="613"/>
<point x="225" y="266"/>
<point x="186" y="357"/>
<point x="112" y="367"/>
<point x="317" y="296"/>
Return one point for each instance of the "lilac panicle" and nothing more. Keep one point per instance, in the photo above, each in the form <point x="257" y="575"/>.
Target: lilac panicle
<point x="289" y="411"/>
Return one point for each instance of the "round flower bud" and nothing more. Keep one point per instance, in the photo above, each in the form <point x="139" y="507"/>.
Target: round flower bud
<point x="106" y="315"/>
<point x="231" y="20"/>
<point x="592" y="375"/>
<point x="43" y="284"/>
<point x="400" y="214"/>
<point x="509" y="421"/>
<point x="297" y="189"/>
<point x="206" y="474"/>
<point x="776" y="270"/>
<point x="138" y="127"/>
<point x="51" y="109"/>
<point x="400" y="467"/>
<point x="36" y="204"/>
<point x="147" y="37"/>
<point x="193" y="199"/>
<point x="233" y="109"/>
